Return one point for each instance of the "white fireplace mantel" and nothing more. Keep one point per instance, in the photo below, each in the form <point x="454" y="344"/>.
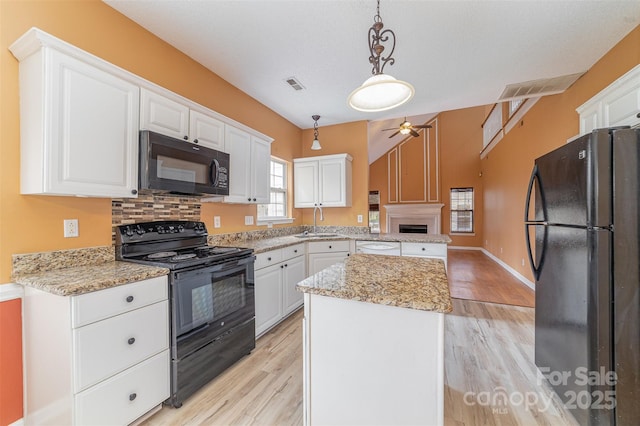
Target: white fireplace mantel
<point x="414" y="214"/>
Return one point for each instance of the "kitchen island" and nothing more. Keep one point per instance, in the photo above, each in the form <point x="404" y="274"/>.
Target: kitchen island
<point x="373" y="341"/>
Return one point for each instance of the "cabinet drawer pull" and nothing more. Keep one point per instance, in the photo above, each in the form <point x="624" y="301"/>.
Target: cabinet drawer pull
<point x="638" y="115"/>
<point x="285" y="265"/>
<point x="269" y="259"/>
<point x="330" y="246"/>
<point x="133" y="396"/>
<point x="131" y="340"/>
<point x="129" y="299"/>
<point x="281" y="266"/>
<point x="295" y="251"/>
<point x="423" y="249"/>
<point x="186" y="138"/>
<point x="195" y="141"/>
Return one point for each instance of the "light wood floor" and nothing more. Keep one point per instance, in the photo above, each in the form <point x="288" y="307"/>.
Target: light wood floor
<point x="475" y="276"/>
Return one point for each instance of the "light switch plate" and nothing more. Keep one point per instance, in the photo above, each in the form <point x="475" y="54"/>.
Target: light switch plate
<point x="216" y="221"/>
<point x="248" y="220"/>
<point x="359" y="218"/>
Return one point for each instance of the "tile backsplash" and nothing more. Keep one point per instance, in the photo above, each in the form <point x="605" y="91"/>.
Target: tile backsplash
<point x="150" y="207"/>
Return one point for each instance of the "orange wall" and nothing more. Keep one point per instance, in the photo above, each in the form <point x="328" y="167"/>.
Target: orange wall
<point x="95" y="27"/>
<point x="10" y="361"/>
<point x="460" y="135"/>
<point x="548" y="125"/>
<point x="350" y="138"/>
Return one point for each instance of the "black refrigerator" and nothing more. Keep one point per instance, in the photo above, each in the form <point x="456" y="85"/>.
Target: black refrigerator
<point x="586" y="268"/>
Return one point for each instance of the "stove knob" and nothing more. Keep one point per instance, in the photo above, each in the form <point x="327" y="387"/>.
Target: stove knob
<point x="160" y="229"/>
<point x="139" y="230"/>
<point x="180" y="228"/>
<point x="171" y="229"/>
<point x="129" y="231"/>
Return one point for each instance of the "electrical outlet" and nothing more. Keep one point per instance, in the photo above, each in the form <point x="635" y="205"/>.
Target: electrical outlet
<point x="500" y="250"/>
<point x="248" y="220"/>
<point x="359" y="218"/>
<point x="270" y="225"/>
<point x="216" y="221"/>
<point x="523" y="261"/>
<point x="71" y="228"/>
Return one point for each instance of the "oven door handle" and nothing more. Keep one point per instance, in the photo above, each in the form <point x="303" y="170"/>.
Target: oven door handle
<point x="220" y="270"/>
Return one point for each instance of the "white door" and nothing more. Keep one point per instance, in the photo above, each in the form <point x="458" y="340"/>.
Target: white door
<point x="268" y="296"/>
<point x="238" y="145"/>
<point x="261" y="169"/>
<point x="206" y="131"/>
<point x="332" y="183"/>
<point x="305" y="183"/>
<point x="294" y="272"/>
<point x="320" y="261"/>
<point x="94" y="131"/>
<point x="163" y="115"/>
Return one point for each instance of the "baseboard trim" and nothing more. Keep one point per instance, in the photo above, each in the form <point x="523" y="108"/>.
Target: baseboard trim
<point x="508" y="268"/>
<point x="11" y="291"/>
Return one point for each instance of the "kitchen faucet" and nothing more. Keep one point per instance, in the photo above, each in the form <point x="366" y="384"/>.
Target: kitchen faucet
<point x="316" y="207"/>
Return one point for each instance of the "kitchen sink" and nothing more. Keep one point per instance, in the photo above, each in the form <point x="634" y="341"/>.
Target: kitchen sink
<point x="317" y="235"/>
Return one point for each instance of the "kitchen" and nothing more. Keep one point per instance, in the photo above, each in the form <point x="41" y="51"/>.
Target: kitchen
<point x="504" y="172"/>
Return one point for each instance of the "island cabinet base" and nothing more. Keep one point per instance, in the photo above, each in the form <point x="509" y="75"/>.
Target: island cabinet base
<point x="371" y="364"/>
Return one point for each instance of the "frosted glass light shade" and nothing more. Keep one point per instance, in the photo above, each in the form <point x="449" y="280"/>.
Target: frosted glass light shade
<point x="380" y="93"/>
<point x="316" y="145"/>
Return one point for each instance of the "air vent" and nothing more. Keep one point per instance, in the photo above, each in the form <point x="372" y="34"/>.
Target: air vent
<point x="293" y="82"/>
<point x="534" y="88"/>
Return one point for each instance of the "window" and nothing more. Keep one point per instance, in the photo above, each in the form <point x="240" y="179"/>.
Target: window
<point x="277" y="207"/>
<point x="462" y="210"/>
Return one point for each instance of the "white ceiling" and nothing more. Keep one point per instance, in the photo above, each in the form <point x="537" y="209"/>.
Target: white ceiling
<point x="456" y="53"/>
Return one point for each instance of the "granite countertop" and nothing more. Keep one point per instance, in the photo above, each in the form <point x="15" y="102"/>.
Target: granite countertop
<point x="78" y="280"/>
<point x="266" y="244"/>
<point x="407" y="282"/>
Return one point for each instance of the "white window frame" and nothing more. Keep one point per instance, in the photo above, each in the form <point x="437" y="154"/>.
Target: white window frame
<point x="472" y="210"/>
<point x="270" y="220"/>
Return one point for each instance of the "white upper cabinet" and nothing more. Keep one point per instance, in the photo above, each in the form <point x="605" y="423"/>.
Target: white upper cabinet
<point x="323" y="180"/>
<point x="169" y="117"/>
<point x="206" y="130"/>
<point x="616" y="105"/>
<point x="163" y="115"/>
<point x="249" y="160"/>
<point x="78" y="122"/>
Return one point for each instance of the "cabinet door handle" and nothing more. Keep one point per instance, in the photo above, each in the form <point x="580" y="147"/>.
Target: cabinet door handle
<point x="133" y="396"/>
<point x="134" y="191"/>
<point x="254" y="199"/>
<point x="186" y="138"/>
<point x="295" y="251"/>
<point x="129" y="299"/>
<point x="281" y="266"/>
<point x="638" y="115"/>
<point x="195" y="141"/>
<point x="131" y="340"/>
<point x="269" y="259"/>
<point x="330" y="246"/>
<point x="285" y="265"/>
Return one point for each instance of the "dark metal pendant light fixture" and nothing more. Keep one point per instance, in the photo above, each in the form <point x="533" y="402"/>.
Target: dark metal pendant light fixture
<point x="381" y="91"/>
<point x="316" y="143"/>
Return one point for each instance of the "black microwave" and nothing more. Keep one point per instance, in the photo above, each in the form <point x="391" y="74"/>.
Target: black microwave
<point x="172" y="165"/>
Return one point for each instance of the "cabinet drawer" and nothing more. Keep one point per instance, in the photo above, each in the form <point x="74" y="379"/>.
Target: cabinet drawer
<point x="293" y="251"/>
<point x="98" y="305"/>
<point x="268" y="258"/>
<point x="107" y="347"/>
<point x="126" y="396"/>
<point x="327" y="246"/>
<point x="424" y="249"/>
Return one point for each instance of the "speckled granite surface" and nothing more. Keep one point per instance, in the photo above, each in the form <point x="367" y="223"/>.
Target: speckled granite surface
<point x="239" y="238"/>
<point x="406" y="282"/>
<point x="84" y="279"/>
<point x="77" y="271"/>
<point x="31" y="263"/>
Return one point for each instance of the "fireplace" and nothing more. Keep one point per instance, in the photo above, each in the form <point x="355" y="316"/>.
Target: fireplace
<point x="424" y="216"/>
<point x="405" y="228"/>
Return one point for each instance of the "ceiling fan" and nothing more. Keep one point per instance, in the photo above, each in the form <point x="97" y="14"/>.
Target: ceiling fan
<point x="406" y="128"/>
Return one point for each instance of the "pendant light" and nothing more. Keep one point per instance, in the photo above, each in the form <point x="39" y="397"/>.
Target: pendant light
<point x="316" y="143"/>
<point x="380" y="92"/>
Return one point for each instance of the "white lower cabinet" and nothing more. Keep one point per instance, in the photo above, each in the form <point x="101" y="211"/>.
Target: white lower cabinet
<point x="430" y="250"/>
<point x="323" y="254"/>
<point x="97" y="358"/>
<point x="277" y="273"/>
